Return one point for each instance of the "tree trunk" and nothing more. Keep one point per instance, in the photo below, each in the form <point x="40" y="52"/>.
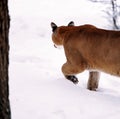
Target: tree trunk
<point x="114" y="14"/>
<point x="4" y="60"/>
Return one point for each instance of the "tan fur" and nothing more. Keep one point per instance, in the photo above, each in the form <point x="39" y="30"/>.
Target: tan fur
<point x="93" y="80"/>
<point x="89" y="48"/>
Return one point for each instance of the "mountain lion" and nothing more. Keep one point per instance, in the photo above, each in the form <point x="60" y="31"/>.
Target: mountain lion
<point x="88" y="48"/>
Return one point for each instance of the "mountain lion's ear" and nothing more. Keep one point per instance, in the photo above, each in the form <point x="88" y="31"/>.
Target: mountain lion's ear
<point x="71" y="23"/>
<point x="53" y="26"/>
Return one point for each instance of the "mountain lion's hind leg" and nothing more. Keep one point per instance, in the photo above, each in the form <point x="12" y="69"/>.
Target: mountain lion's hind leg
<point x="69" y="72"/>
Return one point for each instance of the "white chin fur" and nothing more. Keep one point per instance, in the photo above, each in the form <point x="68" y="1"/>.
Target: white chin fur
<point x="58" y="46"/>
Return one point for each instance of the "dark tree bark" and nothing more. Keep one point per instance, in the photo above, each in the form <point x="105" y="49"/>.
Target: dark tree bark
<point x="5" y="112"/>
<point x="114" y="14"/>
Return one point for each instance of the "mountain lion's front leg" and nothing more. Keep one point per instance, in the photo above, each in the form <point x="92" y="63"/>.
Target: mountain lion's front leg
<point x="69" y="72"/>
<point x="93" y="80"/>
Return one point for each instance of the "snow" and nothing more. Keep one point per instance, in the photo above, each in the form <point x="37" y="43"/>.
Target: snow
<point x="38" y="89"/>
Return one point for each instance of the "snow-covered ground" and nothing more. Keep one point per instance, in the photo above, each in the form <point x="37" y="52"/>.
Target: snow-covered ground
<point x="38" y="89"/>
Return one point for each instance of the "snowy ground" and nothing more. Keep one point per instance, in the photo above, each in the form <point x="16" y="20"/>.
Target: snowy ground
<point x="38" y="89"/>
